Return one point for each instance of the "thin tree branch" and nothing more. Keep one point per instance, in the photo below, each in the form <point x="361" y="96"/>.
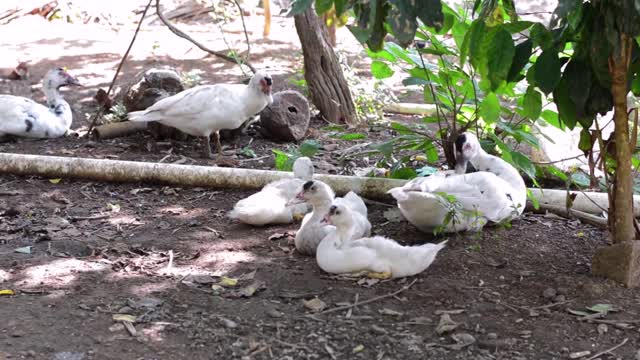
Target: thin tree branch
<point x="608" y="350"/>
<point x="556" y="161"/>
<point x="115" y="76"/>
<point x="244" y="28"/>
<point x="340" y="308"/>
<point x="183" y="35"/>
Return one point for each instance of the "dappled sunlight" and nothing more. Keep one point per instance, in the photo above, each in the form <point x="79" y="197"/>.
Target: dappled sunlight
<point x="149" y="288"/>
<point x="58" y="273"/>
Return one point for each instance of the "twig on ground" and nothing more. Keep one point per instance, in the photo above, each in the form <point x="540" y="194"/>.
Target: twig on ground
<point x="355" y="303"/>
<point x="254" y="159"/>
<point x="183" y="35"/>
<point x="608" y="350"/>
<point x="580" y="215"/>
<point x="92" y="217"/>
<point x="124" y="58"/>
<point x="368" y="301"/>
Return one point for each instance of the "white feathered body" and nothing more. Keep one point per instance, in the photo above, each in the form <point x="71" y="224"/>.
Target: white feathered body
<point x="269" y="206"/>
<point x="312" y="230"/>
<point x="204" y="109"/>
<point x="495" y="193"/>
<point x="377" y="254"/>
<point x="24" y="117"/>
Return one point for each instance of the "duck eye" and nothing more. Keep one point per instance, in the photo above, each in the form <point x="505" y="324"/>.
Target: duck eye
<point x="338" y="212"/>
<point x="313" y="188"/>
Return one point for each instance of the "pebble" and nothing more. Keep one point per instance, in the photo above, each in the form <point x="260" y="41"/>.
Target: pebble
<point x="549" y="293"/>
<point x="559" y="298"/>
<point x="230" y="324"/>
<point x="378" y="330"/>
<point x="275" y="313"/>
<point x="492" y="336"/>
<point x="579" y="354"/>
<point x="602" y="329"/>
<point x="638" y="355"/>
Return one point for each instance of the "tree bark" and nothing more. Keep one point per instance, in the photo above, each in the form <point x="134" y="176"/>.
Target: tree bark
<point x="622" y="228"/>
<point x="327" y="85"/>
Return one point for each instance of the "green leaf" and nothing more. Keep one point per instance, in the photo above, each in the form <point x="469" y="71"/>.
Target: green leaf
<point x="426" y="171"/>
<point x="362" y="35"/>
<point x="401" y="128"/>
<point x="532" y="103"/>
<point x="540" y="36"/>
<point x="585" y="143"/>
<point x="566" y="107"/>
<point x="578" y="75"/>
<point x="431" y="152"/>
<point x="547" y="75"/>
<point x="580" y="179"/>
<point x="557" y="172"/>
<point x="281" y="160"/>
<point x="309" y="148"/>
<point x="378" y="13"/>
<point x="471" y="43"/>
<point x="459" y="30"/>
<point x="601" y="308"/>
<point x="403" y="173"/>
<point x="380" y="70"/>
<point x="518" y="26"/>
<point x="340" y="6"/>
<point x="534" y="200"/>
<point x="299" y="6"/>
<point x="490" y="108"/>
<point x="403" y="25"/>
<point x="551" y="117"/>
<point x="430" y="12"/>
<point x="381" y="55"/>
<point x="499" y="53"/>
<point x="385" y="148"/>
<point x="322" y="6"/>
<point x="520" y="59"/>
<point x="524" y="163"/>
<point x="353" y="136"/>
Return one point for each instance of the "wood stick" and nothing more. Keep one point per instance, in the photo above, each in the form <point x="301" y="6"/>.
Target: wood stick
<point x="368" y="301"/>
<point x="124" y="58"/>
<point x="183" y="35"/>
<point x="608" y="350"/>
<point x="117" y="129"/>
<point x="577" y="214"/>
<point x="410" y="109"/>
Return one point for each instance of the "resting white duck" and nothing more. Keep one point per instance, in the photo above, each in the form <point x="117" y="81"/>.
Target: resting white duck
<point x="380" y="256"/>
<point x="24" y="117"/>
<point x="321" y="197"/>
<point x="207" y="109"/>
<point x="269" y="206"/>
<point x="496" y="192"/>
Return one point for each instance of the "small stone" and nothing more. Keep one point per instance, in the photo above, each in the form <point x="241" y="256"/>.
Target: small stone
<point x="31" y="353"/>
<point x="287" y="117"/>
<point x="463" y="339"/>
<point x="492" y="336"/>
<point x="275" y="313"/>
<point x="549" y="293"/>
<point x="116" y="327"/>
<point x="559" y="298"/>
<point x="378" y="330"/>
<point x="579" y="354"/>
<point x="125" y="310"/>
<point x="602" y="329"/>
<point x="315" y="304"/>
<point x="637" y="355"/>
<point x="230" y="324"/>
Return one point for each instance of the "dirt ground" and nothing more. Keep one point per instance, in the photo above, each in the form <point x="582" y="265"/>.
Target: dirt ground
<point x="155" y="255"/>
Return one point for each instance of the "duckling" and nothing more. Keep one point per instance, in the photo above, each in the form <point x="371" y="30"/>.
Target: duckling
<point x="269" y="206"/>
<point x="321" y="196"/>
<point x="380" y="256"/>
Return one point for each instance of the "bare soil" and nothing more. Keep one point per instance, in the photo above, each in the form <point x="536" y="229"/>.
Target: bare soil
<point x="153" y="252"/>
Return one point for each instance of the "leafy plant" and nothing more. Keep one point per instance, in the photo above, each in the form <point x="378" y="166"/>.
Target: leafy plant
<point x="192" y="78"/>
<point x="118" y="112"/>
<point x="284" y="160"/>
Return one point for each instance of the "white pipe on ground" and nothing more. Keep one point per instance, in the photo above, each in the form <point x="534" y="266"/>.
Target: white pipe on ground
<point x="220" y="177"/>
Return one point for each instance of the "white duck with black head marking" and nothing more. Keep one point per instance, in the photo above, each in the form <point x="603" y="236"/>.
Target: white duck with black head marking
<point x="205" y="110"/>
<point x="321" y="197"/>
<point x="24" y="117"/>
<point x="381" y="257"/>
<point x="495" y="192"/>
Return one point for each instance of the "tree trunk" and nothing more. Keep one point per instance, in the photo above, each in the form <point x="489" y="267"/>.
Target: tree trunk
<point x="622" y="228"/>
<point x="327" y="85"/>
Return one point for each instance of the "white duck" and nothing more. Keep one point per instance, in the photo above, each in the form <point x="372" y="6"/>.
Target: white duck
<point x="382" y="257"/>
<point x="321" y="197"/>
<point x="20" y="116"/>
<point x="207" y="109"/>
<point x="269" y="206"/>
<point x="496" y="192"/>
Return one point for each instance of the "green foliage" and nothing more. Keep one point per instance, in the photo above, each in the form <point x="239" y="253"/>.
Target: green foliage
<point x="284" y="160"/>
<point x="118" y="112"/>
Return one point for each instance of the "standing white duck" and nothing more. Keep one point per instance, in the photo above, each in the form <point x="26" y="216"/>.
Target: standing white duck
<point x="20" y="116"/>
<point x="321" y="197"/>
<point x="496" y="192"/>
<point x="269" y="206"/>
<point x="207" y="109"/>
<point x="382" y="257"/>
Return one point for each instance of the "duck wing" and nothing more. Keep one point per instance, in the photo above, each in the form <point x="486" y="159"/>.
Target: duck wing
<point x="19" y="116"/>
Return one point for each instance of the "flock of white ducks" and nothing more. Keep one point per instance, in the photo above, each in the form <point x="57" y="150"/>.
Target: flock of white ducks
<point x="336" y="230"/>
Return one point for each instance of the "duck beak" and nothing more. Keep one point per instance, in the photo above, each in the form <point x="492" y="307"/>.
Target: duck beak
<point x="72" y="81"/>
<point x="326" y="220"/>
<point x="299" y="199"/>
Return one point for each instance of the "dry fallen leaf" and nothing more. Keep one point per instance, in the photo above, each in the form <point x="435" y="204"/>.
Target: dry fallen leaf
<point x="446" y="324"/>
<point x="124" y="317"/>
<point x="7" y="292"/>
<point x="54" y="181"/>
<point x="228" y="282"/>
<point x="386" y="311"/>
<point x="314" y="304"/>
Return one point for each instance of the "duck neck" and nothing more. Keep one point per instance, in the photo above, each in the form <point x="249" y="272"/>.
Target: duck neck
<point x="484" y="161"/>
<point x="320" y="209"/>
<point x="57" y="105"/>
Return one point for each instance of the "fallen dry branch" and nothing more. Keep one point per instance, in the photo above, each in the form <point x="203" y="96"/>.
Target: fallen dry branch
<point x="569" y="214"/>
<point x="113" y="130"/>
<point x="184" y="35"/>
<point x="608" y="350"/>
<point x="124" y="58"/>
<point x="368" y="301"/>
